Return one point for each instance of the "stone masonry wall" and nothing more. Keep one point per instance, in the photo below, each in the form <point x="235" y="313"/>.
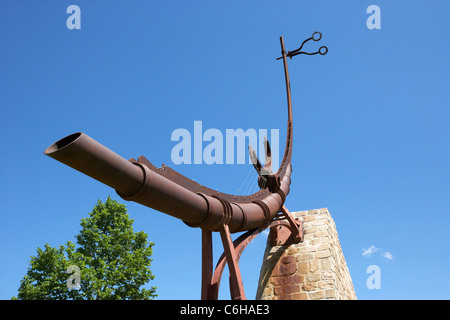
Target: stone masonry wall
<point x="314" y="269"/>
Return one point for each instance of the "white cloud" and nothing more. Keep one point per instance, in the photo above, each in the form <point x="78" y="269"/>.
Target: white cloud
<point x="369" y="251"/>
<point x="387" y="255"/>
<point x="372" y="249"/>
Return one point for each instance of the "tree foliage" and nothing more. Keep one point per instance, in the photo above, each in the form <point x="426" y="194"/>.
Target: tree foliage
<point x="113" y="261"/>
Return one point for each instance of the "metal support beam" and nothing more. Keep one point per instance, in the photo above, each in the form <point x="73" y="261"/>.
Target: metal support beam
<point x="207" y="264"/>
<point x="236" y="286"/>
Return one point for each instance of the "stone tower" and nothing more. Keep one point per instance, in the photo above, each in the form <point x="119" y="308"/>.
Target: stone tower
<point x="314" y="269"/>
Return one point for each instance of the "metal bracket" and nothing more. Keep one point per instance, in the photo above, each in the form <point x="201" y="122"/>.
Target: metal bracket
<point x="285" y="229"/>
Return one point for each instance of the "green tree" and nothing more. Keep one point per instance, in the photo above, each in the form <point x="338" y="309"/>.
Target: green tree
<point x="113" y="261"/>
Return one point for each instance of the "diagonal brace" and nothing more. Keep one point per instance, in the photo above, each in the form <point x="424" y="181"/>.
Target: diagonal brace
<point x="236" y="285"/>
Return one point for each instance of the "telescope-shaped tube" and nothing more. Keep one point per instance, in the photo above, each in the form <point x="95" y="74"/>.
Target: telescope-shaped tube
<point x="136" y="182"/>
<point x="86" y="155"/>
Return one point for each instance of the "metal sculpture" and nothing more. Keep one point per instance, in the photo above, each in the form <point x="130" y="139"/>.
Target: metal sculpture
<point x="170" y="192"/>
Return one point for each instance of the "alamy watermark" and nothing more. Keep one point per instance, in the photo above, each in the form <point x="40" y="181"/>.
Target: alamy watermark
<point x="74" y="20"/>
<point x="212" y="146"/>
<point x="374" y="280"/>
<point x="74" y="281"/>
<point x="374" y="20"/>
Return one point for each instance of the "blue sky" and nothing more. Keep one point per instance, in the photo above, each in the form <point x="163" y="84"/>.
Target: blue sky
<point x="370" y="125"/>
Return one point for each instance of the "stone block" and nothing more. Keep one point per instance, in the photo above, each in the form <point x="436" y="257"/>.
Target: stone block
<point x="312" y="270"/>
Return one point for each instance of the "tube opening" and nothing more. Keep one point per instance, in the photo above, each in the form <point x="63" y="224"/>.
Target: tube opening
<point x="58" y="145"/>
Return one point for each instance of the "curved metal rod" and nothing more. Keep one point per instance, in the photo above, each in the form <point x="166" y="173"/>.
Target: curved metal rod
<point x="289" y="137"/>
<point x="260" y="194"/>
<point x="168" y="191"/>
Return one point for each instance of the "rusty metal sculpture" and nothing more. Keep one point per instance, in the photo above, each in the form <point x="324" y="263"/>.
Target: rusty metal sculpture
<point x="168" y="191"/>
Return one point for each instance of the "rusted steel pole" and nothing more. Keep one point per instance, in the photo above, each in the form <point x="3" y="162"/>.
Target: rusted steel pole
<point x="286" y="77"/>
<point x="207" y="264"/>
<point x="86" y="155"/>
<point x="136" y="182"/>
<point x="236" y="285"/>
<point x="286" y="162"/>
